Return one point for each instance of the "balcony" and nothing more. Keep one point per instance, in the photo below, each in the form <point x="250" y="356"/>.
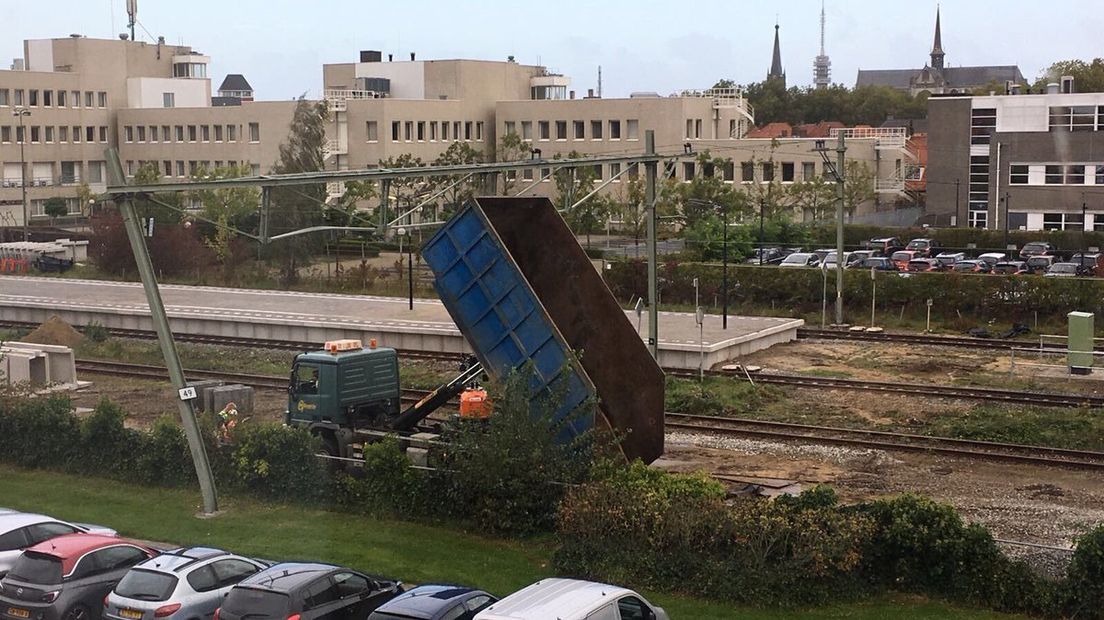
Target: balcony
<point x="31" y="182"/>
<point x="885" y="137"/>
<point x="337" y="98"/>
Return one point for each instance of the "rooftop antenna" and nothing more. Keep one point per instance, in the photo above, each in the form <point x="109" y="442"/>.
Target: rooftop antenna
<point x="822" y="67"/>
<point x="132" y="16"/>
<point x="599" y="81"/>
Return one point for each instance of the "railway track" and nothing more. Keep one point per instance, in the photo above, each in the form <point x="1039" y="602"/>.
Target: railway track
<point x="1041" y="399"/>
<point x="882" y="440"/>
<point x="809" y="333"/>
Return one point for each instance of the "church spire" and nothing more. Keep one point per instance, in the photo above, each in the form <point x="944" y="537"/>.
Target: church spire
<point x="937" y="47"/>
<point x="776" y="61"/>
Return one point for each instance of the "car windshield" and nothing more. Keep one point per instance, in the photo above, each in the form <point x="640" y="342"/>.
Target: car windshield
<point x="902" y="255"/>
<point x="1034" y="247"/>
<point x="917" y="245"/>
<point x="256" y="603"/>
<point x="965" y="266"/>
<point x="37" y="568"/>
<point x="1006" y="268"/>
<point x="797" y="259"/>
<point x="1037" y="261"/>
<point x="1064" y="268"/>
<point x="146" y="585"/>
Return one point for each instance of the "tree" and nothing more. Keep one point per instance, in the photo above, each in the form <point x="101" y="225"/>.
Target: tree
<point x="815" y="197"/>
<point x="346" y="211"/>
<point x="237" y="206"/>
<point x="457" y="154"/>
<point x="297" y="207"/>
<point x="573" y="184"/>
<point x="407" y="192"/>
<point x="511" y="148"/>
<point x="1088" y="77"/>
<point x="858" y="185"/>
<point x="55" y="207"/>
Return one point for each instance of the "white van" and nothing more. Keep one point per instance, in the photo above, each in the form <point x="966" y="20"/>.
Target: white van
<point x="571" y="599"/>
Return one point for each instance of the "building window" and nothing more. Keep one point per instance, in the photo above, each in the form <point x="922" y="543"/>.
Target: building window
<point x="768" y="171"/>
<point x="205" y="133"/>
<point x="432" y="131"/>
<point x="1100" y="174"/>
<point x="983" y="121"/>
<point x="33" y="101"/>
<point x="166" y="134"/>
<point x="5" y="97"/>
<point x="395" y="131"/>
<point x="1054" y="175"/>
<point x="1075" y="175"/>
<point x="231" y="133"/>
<point x="808" y="171"/>
<point x="74" y="98"/>
<point x="408" y="131"/>
<point x="1072" y="118"/>
<point x="1063" y="221"/>
<point x="561" y="130"/>
<point x="527" y="174"/>
<point x="615" y="130"/>
<point x="595" y="130"/>
<point x="444" y="131"/>
<point x="543" y="129"/>
<point x="579" y="130"/>
<point x="615" y="169"/>
<point x="632" y="129"/>
<point x="103" y="134"/>
<point x="128" y="133"/>
<point x="61" y="98"/>
<point x="36" y="134"/>
<point x="787" y="172"/>
<point x="101" y="99"/>
<point x="747" y="171"/>
<point x="456" y="130"/>
<point x="180" y="168"/>
<point x="421" y="131"/>
<point x="218" y="133"/>
<point x="90" y="134"/>
<point x="168" y="100"/>
<point x="166" y="168"/>
<point x="977" y="219"/>
<point x="1018" y="174"/>
<point x="687" y="171"/>
<point x="63" y="133"/>
<point x="371" y="130"/>
<point x="96" y="171"/>
<point x="179" y="133"/>
<point x="479" y="131"/>
<point x="192" y="133"/>
<point x="49" y="131"/>
<point x="153" y="133"/>
<point x="597" y="172"/>
<point x="510" y="127"/>
<point x="76" y="134"/>
<point x="70" y="172"/>
<point x="89" y="99"/>
<point x="254" y="132"/>
<point x="697" y="128"/>
<point x="526" y="130"/>
<point x="48" y="98"/>
<point x="729" y="171"/>
<point x="141" y="133"/>
<point x="467" y="131"/>
<point x="5" y="133"/>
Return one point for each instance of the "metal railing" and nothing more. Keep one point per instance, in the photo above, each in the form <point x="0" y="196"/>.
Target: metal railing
<point x="868" y="132"/>
<point x="31" y="182"/>
<point x="337" y="98"/>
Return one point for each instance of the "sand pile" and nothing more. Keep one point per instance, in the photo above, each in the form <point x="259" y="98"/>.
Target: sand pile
<point x="55" y="331"/>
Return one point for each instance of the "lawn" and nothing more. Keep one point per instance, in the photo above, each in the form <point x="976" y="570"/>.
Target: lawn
<point x="413" y="552"/>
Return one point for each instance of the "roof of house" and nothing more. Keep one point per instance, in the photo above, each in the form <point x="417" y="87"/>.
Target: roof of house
<point x="771" y="130"/>
<point x="225" y="101"/>
<point x="235" y="81"/>
<point x="823" y="129"/>
<point x="956" y="77"/>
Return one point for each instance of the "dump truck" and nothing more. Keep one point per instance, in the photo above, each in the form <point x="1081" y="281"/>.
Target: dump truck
<point x="523" y="293"/>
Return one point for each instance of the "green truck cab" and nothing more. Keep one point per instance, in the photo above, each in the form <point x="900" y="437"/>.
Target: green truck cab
<point x="335" y="393"/>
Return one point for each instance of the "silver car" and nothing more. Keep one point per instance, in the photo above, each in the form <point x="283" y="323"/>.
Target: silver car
<point x="189" y="584"/>
<point x="19" y="530"/>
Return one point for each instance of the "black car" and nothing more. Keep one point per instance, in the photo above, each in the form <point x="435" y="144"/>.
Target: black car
<point x="1036" y="248"/>
<point x="302" y="591"/>
<point x="435" y="602"/>
<point x="771" y="256"/>
<point x="878" y="263"/>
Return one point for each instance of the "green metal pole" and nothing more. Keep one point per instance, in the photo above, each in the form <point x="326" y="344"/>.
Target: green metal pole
<point x="650" y="200"/>
<point x="164" y="335"/>
<point x="841" y="151"/>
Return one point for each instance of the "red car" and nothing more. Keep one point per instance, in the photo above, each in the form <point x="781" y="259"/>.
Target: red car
<point x="68" y="577"/>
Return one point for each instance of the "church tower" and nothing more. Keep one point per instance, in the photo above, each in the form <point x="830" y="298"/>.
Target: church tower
<point x="776" y="72"/>
<point x="937" y="48"/>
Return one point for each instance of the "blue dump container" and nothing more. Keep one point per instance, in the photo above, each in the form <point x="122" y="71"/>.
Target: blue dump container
<point x="521" y="290"/>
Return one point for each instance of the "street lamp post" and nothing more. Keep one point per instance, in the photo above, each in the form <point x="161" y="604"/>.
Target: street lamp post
<point x="724" y="256"/>
<point x="409" y="265"/>
<point x="20" y="113"/>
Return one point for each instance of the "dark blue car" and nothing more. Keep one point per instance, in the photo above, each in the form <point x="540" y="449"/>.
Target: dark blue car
<point x="434" y="602"/>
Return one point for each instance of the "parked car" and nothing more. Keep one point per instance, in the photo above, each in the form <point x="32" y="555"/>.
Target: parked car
<point x="878" y="263"/>
<point x="885" y="245"/>
<point x="19" y="530"/>
<point x="924" y="248"/>
<point x="1010" y="268"/>
<point x="435" y="602"/>
<point x="923" y="265"/>
<point x="1063" y="270"/>
<point x="1040" y="263"/>
<point x="185" y="583"/>
<point x="993" y="257"/>
<point x="1036" y="248"/>
<point x="902" y="258"/>
<point x="771" y="256"/>
<point x="800" y="259"/>
<point x="823" y="252"/>
<point x="829" y="261"/>
<point x="1090" y="264"/>
<point x="857" y="257"/>
<point x="571" y="599"/>
<point x="67" y="577"/>
<point x="307" y="592"/>
<point x="971" y="266"/>
<point x="948" y="259"/>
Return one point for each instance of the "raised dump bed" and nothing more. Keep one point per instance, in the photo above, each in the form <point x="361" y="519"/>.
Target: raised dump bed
<point x="520" y="288"/>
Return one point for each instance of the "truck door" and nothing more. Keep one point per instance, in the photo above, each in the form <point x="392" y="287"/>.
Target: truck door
<point x="303" y="401"/>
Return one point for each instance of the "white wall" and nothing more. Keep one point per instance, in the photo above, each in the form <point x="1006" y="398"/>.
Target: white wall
<point x="147" y="92"/>
<point x="1031" y="112"/>
<point x="40" y="55"/>
<point x="407" y="78"/>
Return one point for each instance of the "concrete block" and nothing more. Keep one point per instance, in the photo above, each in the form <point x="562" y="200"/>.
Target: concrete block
<point x="418" y="456"/>
<point x="60" y="361"/>
<point x="203" y="389"/>
<point x="25" y="366"/>
<point x="240" y="395"/>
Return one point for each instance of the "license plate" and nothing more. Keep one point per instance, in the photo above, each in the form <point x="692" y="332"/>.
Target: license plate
<point x="134" y="614"/>
<point x="18" y="613"/>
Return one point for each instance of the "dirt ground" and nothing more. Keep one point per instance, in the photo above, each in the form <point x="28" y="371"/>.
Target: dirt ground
<point x="145" y="400"/>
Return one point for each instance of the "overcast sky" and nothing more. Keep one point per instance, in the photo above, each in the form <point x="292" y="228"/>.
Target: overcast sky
<point x="641" y="45"/>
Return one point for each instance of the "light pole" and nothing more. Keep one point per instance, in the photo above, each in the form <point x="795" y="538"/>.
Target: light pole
<point x="409" y="264"/>
<point x="824" y="293"/>
<point x="724" y="256"/>
<point x="20" y="113"/>
<point x="958" y="206"/>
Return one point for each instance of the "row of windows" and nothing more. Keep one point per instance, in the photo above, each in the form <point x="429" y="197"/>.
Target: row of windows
<point x="1076" y="118"/>
<point x="188" y="133"/>
<point x="750" y="172"/>
<point x="579" y="130"/>
<point x="978" y="190"/>
<point x="185" y="169"/>
<point x="33" y="98"/>
<point x="983" y="122"/>
<point x="429" y="131"/>
<point x="49" y="134"/>
<point x="1056" y="174"/>
<point x="48" y="173"/>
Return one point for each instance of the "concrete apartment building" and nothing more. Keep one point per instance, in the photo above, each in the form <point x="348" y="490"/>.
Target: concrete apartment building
<point x="73" y="89"/>
<point x="1022" y="161"/>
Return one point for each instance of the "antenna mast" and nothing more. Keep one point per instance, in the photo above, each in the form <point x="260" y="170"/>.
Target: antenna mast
<point x="132" y="16"/>
<point x="822" y="67"/>
<point x="599" y="81"/>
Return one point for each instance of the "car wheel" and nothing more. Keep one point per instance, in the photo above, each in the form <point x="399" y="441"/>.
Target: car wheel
<point x="77" y="612"/>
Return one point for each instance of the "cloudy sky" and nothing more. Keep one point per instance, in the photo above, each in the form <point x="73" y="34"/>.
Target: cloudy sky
<point x="641" y="45"/>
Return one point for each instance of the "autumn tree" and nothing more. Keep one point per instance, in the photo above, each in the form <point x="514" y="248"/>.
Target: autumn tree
<point x="1088" y="77"/>
<point x="464" y="186"/>
<point x="511" y="148"/>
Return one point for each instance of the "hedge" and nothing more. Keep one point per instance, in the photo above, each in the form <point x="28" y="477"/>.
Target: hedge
<point x="976" y="298"/>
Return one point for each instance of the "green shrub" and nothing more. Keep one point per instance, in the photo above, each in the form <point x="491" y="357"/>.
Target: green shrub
<point x="388" y="485"/>
<point x="165" y="459"/>
<point x="278" y="462"/>
<point x="1085" y="577"/>
<point x="96" y="332"/>
<point x="107" y="447"/>
<point x="39" y="432"/>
